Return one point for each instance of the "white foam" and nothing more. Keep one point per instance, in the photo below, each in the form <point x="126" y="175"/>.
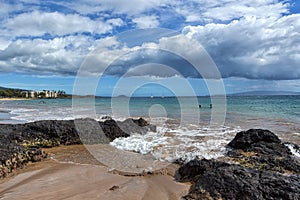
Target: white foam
<point x="53" y="113"/>
<point x="32" y="114"/>
<point x="294" y="151"/>
<point x="37" y="113"/>
<point x="139" y="143"/>
<point x="169" y="144"/>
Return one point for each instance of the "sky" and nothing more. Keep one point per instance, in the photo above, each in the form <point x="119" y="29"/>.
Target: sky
<point x="150" y="47"/>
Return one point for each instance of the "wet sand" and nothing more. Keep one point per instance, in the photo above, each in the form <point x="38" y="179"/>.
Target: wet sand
<point x="71" y="172"/>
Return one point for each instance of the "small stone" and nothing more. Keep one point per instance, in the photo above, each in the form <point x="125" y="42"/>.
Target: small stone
<point x="113" y="188"/>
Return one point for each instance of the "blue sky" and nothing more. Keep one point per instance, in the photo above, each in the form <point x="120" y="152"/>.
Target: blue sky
<point x="254" y="44"/>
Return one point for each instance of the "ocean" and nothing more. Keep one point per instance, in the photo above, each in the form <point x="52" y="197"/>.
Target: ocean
<point x="184" y="130"/>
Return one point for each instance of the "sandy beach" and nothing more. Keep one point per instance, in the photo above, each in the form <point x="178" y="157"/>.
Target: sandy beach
<point x="13" y="99"/>
<point x="71" y="172"/>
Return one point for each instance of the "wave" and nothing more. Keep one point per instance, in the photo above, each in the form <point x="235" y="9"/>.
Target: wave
<point x="181" y="144"/>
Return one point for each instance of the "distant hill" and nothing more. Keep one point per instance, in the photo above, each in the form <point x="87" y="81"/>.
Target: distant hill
<point x="4" y="88"/>
<point x="11" y="93"/>
<point x="264" y="93"/>
<point x="16" y="89"/>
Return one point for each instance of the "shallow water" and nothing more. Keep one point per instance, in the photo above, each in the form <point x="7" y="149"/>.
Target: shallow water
<point x="184" y="130"/>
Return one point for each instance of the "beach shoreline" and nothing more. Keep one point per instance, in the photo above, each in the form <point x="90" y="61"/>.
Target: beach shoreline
<point x="89" y="178"/>
<point x="13" y="99"/>
<point x="59" y="166"/>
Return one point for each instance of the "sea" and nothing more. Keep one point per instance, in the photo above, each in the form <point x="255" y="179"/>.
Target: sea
<point x="187" y="127"/>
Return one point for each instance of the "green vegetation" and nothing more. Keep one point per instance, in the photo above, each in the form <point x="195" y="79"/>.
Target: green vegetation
<point x="19" y="93"/>
<point x="62" y="94"/>
<point x="12" y="93"/>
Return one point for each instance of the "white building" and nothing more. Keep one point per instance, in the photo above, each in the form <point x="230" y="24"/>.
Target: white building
<point x="50" y="94"/>
<point x="32" y="94"/>
<point x="42" y="94"/>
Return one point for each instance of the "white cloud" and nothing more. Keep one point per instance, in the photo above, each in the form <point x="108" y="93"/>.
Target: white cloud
<point x="131" y="8"/>
<point x="192" y="10"/>
<point x="4" y="42"/>
<point x="227" y="10"/>
<point x="146" y="21"/>
<point x="184" y="56"/>
<point x="59" y="56"/>
<point x="38" y="23"/>
<point x="251" y="47"/>
<point x="246" y="38"/>
<point x="7" y="8"/>
<point x="115" y="22"/>
<point x="154" y="71"/>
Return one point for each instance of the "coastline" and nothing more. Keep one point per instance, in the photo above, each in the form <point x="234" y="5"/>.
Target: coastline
<point x="256" y="164"/>
<point x="13" y="99"/>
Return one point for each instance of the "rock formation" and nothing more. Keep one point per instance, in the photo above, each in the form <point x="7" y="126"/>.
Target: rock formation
<point x="22" y="143"/>
<point x="264" y="169"/>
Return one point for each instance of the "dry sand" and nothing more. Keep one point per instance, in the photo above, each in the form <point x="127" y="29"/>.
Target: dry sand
<point x="12" y="99"/>
<point x="72" y="173"/>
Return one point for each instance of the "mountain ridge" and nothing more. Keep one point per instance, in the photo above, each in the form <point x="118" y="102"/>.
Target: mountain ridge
<point x="264" y="93"/>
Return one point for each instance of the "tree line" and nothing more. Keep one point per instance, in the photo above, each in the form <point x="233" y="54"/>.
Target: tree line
<point x="11" y="93"/>
<point x="16" y="93"/>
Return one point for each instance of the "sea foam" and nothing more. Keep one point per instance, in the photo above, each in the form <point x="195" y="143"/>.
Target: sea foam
<point x="295" y="151"/>
<point x="169" y="144"/>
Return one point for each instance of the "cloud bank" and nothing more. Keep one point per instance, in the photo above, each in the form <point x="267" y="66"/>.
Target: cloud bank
<point x="256" y="39"/>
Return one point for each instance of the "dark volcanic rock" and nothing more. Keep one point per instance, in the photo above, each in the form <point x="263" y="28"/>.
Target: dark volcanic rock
<point x="21" y="143"/>
<point x="267" y="170"/>
<point x="90" y="131"/>
<point x="266" y="150"/>
<point x="140" y="122"/>
<point x="14" y="155"/>
<point x="72" y="131"/>
<point x="113" y="130"/>
<point x="246" y="139"/>
<point x="219" y="180"/>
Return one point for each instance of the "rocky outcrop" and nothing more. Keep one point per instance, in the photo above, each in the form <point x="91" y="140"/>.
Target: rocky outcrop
<point x="22" y="143"/>
<point x="264" y="169"/>
<point x="262" y="149"/>
<point x="50" y="133"/>
<point x="254" y="137"/>
<point x="14" y="155"/>
<point x="219" y="180"/>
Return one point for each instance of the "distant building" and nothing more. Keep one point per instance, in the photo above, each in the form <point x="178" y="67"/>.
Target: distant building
<point x="25" y="93"/>
<point x="32" y="94"/>
<point x="41" y="94"/>
<point x="50" y="94"/>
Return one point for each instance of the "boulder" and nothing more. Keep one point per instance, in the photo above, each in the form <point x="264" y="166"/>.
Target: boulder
<point x="219" y="180"/>
<point x="265" y="169"/>
<point x="246" y="139"/>
<point x="262" y="149"/>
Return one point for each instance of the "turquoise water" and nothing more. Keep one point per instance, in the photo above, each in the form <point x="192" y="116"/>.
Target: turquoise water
<point x="268" y="108"/>
<point x="183" y="129"/>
